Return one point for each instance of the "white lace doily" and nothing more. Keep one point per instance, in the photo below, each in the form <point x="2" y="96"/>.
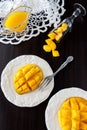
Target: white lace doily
<point x="44" y="14"/>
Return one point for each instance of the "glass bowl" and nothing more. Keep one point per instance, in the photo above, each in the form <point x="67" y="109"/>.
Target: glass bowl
<point x="16" y="20"/>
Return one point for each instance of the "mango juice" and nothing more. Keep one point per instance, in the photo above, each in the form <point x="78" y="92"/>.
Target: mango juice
<point x="16" y="21"/>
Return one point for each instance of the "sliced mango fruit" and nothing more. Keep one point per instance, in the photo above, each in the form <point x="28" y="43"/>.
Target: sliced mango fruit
<point x="56" y="35"/>
<point x="72" y="114"/>
<point x="27" y="78"/>
<point x="47" y="48"/>
<point x="55" y="53"/>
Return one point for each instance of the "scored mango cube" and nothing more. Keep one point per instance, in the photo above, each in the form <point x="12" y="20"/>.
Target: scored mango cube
<point x="26" y="68"/>
<point x="18" y="75"/>
<point x="21" y="81"/>
<point x="16" y="85"/>
<point x="24" y="86"/>
<point x="19" y="90"/>
<point x="38" y="78"/>
<point x="27" y="82"/>
<point x="28" y="75"/>
<point x="31" y="83"/>
<point x="34" y="86"/>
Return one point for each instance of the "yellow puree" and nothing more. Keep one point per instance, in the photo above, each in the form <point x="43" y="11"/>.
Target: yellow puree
<point x="16" y="21"/>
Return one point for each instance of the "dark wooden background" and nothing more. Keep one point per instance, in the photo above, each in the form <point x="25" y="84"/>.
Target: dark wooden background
<point x="74" y="75"/>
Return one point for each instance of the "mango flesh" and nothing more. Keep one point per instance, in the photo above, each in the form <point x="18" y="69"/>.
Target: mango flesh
<point x="27" y="78"/>
<point x="55" y="35"/>
<point x="72" y="114"/>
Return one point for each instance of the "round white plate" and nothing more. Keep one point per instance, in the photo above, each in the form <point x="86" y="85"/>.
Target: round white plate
<point x="51" y="116"/>
<point x="32" y="98"/>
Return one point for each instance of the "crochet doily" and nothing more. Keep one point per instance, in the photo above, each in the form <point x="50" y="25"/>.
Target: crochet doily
<point x="44" y="14"/>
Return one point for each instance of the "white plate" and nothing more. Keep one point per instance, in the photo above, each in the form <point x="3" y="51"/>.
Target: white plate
<point x="51" y="116"/>
<point x="30" y="99"/>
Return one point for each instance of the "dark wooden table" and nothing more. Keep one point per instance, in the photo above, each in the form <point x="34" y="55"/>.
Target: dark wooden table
<point x="74" y="75"/>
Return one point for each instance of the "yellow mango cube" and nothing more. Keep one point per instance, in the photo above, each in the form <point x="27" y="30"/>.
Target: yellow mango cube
<point x="53" y="46"/>
<point x="36" y="69"/>
<point x="18" y="75"/>
<point x="51" y="35"/>
<point x="21" y="80"/>
<point x="19" y="90"/>
<point x="24" y="86"/>
<point x="58" y="37"/>
<point x="64" y="26"/>
<point x="47" y="48"/>
<point x="16" y="85"/>
<point x="34" y="86"/>
<point x="31" y="82"/>
<point x="26" y="68"/>
<point x="55" y="53"/>
<point x="40" y="75"/>
<point x="49" y="41"/>
<point x="28" y="75"/>
<point x="58" y="30"/>
<point x="36" y="77"/>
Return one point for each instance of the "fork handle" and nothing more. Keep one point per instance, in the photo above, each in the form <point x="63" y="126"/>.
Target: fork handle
<point x="69" y="59"/>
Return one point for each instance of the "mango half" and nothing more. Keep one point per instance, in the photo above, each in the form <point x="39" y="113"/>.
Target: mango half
<point x="27" y="78"/>
<point x="72" y="114"/>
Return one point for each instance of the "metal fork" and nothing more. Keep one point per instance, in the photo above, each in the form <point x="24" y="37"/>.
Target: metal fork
<point x="48" y="79"/>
